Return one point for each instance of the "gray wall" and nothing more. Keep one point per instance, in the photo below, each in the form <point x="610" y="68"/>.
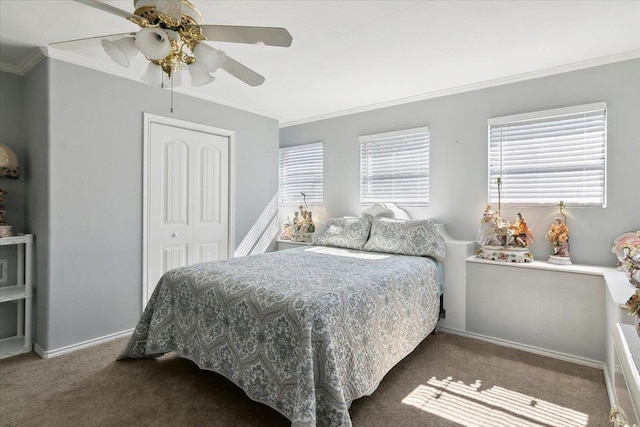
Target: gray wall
<point x="84" y="200"/>
<point x="36" y="171"/>
<point x="458" y="170"/>
<point x="12" y="134"/>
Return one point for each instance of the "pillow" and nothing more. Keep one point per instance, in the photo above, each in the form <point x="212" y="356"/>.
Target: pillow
<point x="349" y="233"/>
<point x="406" y="237"/>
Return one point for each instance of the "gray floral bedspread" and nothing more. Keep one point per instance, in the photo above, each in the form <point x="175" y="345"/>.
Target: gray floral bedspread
<point x="304" y="330"/>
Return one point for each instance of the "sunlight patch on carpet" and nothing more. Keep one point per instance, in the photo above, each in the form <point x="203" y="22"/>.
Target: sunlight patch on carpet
<point x="469" y="405"/>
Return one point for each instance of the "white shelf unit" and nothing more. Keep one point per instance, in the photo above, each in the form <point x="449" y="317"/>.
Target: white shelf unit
<point x="22" y="294"/>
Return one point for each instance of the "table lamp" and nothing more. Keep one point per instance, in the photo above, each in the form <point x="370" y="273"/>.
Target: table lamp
<point x="9" y="169"/>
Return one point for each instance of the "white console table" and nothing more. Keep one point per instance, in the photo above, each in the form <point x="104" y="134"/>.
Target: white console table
<point x="22" y="294"/>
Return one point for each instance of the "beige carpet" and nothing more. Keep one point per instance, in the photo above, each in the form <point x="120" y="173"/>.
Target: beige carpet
<point x="447" y="381"/>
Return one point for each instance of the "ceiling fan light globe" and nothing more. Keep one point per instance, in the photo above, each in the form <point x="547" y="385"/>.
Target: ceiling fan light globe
<point x="121" y="50"/>
<point x="210" y="57"/>
<point x="199" y="73"/>
<point x="153" y="43"/>
<point x="153" y="75"/>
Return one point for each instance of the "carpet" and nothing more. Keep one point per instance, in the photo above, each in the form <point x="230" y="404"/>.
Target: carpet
<point x="448" y="380"/>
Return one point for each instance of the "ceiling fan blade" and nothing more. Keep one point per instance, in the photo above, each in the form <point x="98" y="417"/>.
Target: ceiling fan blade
<point x="241" y="72"/>
<point x="87" y="42"/>
<point x="270" y="36"/>
<point x="107" y="8"/>
<point x="171" y="8"/>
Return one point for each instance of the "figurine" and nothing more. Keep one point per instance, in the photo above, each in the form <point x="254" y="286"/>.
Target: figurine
<point x="501" y="241"/>
<point x="303" y="226"/>
<point x="287" y="230"/>
<point x="558" y="234"/>
<point x="521" y="235"/>
<point x="487" y="235"/>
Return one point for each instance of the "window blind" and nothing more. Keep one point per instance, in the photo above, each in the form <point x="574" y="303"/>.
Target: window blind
<point x="394" y="167"/>
<point x="548" y="156"/>
<point x="301" y="171"/>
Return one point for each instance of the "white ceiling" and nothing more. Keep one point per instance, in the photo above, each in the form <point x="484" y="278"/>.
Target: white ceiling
<point x="353" y="55"/>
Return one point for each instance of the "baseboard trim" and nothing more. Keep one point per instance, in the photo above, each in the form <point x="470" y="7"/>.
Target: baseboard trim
<point x="528" y="348"/>
<point x="610" y="390"/>
<point x="47" y="354"/>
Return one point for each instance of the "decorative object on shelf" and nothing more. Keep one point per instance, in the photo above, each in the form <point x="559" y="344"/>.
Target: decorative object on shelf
<point x="9" y="169"/>
<point x="558" y="235"/>
<point x="633" y="305"/>
<point x="627" y="248"/>
<point x="287" y="230"/>
<point x="520" y="232"/>
<point x="501" y="241"/>
<point x="618" y="418"/>
<point x="303" y="226"/>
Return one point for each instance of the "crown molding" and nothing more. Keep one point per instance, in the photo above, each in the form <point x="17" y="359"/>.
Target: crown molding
<point x="31" y="61"/>
<point x="575" y="66"/>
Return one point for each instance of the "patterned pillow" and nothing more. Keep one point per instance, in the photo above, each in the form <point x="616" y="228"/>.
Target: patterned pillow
<point x="349" y="233"/>
<point x="406" y="237"/>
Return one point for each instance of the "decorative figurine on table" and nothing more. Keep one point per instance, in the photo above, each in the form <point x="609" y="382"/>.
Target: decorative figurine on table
<point x="558" y="235"/>
<point x="303" y="226"/>
<point x="627" y="248"/>
<point x="501" y="241"/>
<point x="521" y="234"/>
<point x="489" y="233"/>
<point x="287" y="230"/>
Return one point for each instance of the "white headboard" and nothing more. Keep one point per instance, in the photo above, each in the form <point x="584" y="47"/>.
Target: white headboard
<point x="388" y="210"/>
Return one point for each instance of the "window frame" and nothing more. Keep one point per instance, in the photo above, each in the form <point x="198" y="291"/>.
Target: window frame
<point x="558" y="113"/>
<point x="388" y="137"/>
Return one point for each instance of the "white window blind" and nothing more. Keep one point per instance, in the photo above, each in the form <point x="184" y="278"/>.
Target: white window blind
<point x="394" y="167"/>
<point x="301" y="171"/>
<point x="548" y="156"/>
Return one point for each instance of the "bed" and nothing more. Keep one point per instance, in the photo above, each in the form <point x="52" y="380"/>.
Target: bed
<point x="305" y="330"/>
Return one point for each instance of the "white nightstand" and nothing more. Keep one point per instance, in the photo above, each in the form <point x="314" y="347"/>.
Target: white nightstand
<point x="22" y="293"/>
<point x="288" y="244"/>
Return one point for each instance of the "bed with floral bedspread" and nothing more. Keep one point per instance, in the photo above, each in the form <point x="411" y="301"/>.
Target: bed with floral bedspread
<point x="305" y="331"/>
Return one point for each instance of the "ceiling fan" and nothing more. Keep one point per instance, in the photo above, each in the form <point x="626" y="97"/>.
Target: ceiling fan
<point x="173" y="38"/>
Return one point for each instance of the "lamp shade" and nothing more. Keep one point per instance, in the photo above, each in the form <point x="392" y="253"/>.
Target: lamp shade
<point x="199" y="73"/>
<point x="153" y="75"/>
<point x="153" y="43"/>
<point x="8" y="162"/>
<point x="211" y="57"/>
<point x="121" y="50"/>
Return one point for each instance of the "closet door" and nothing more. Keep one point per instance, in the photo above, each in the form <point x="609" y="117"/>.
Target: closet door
<point x="187" y="199"/>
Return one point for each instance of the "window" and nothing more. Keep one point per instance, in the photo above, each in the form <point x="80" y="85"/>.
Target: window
<point x="394" y="167"/>
<point x="301" y="171"/>
<point x="544" y="157"/>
